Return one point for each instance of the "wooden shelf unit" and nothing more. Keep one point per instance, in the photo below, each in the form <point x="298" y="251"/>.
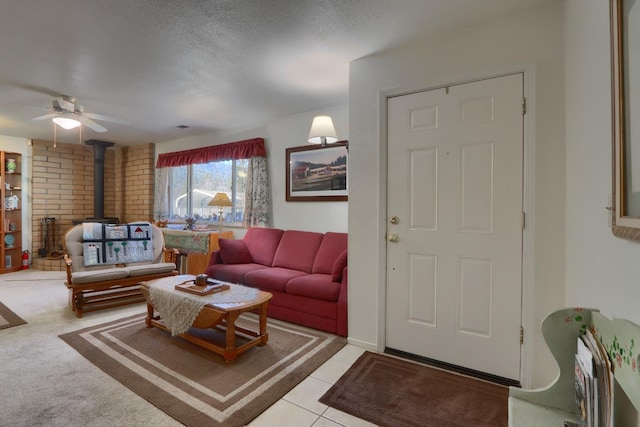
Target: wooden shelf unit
<point x="10" y="213"/>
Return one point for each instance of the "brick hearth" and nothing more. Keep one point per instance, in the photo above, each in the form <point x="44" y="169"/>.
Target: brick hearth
<point x="45" y="264"/>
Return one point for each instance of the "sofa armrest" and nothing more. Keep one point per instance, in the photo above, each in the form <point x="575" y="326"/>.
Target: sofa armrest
<point x="342" y="324"/>
<point x="339" y="266"/>
<point x="216" y="258"/>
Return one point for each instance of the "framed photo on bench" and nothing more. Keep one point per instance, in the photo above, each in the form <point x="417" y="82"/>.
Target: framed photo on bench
<point x="317" y="173"/>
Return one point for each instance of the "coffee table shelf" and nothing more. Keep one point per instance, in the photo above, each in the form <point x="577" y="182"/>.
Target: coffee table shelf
<point x="220" y="316"/>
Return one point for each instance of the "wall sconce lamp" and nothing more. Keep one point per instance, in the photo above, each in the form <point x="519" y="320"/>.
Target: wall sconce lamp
<point x="221" y="200"/>
<point x="322" y="131"/>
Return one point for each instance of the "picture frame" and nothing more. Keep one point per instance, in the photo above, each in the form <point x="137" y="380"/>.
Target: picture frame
<point x="317" y="173"/>
<point x="625" y="203"/>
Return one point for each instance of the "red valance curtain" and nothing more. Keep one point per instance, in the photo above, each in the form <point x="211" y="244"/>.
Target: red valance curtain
<point x="230" y="151"/>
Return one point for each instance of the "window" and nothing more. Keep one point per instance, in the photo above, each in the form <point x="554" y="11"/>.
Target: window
<point x="187" y="180"/>
<point x="192" y="187"/>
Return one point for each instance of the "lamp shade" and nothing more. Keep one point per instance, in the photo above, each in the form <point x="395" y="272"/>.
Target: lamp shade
<point x="66" y="123"/>
<point x="322" y="131"/>
<point x="220" y="200"/>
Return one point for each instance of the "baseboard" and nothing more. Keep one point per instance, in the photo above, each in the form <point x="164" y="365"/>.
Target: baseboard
<point x="363" y="344"/>
<point x="454" y="368"/>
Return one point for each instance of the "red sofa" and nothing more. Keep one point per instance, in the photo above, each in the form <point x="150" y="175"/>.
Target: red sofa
<point x="305" y="271"/>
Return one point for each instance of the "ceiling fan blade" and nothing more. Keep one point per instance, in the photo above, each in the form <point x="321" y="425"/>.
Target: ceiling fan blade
<point x="24" y="105"/>
<point x="105" y="118"/>
<point x="45" y="117"/>
<point x="90" y="124"/>
<point x="37" y="89"/>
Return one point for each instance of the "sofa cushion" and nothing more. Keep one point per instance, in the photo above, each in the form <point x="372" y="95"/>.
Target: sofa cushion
<point x="297" y="250"/>
<point x="333" y="244"/>
<point x="233" y="273"/>
<point x="234" y="251"/>
<point x="145" y="269"/>
<point x="102" y="275"/>
<point x="262" y="244"/>
<point x="317" y="286"/>
<point x="338" y="266"/>
<point x="274" y="278"/>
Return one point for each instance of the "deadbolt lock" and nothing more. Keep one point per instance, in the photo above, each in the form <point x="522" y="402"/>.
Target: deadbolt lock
<point x="394" y="220"/>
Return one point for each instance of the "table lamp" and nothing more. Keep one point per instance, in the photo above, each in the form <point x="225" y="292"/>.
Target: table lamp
<point x="221" y="200"/>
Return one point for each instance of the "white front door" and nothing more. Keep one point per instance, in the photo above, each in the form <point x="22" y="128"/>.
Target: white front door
<point x="454" y="250"/>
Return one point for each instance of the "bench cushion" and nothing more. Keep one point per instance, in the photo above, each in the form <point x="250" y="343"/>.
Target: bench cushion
<point x="92" y="276"/>
<point x="117" y="244"/>
<point x="74" y="249"/>
<point x="147" y="269"/>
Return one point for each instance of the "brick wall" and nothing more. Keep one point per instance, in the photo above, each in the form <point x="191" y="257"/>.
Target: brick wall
<point x="135" y="183"/>
<point x="62" y="185"/>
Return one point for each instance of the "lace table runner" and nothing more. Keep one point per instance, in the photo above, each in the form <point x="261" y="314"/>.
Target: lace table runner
<point x="179" y="309"/>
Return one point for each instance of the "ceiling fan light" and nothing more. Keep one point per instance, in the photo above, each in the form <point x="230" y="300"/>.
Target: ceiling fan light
<point x="66" y="123"/>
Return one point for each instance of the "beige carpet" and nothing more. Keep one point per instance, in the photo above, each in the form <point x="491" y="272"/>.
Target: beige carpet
<point x="8" y="318"/>
<point x="195" y="386"/>
<point x="391" y="392"/>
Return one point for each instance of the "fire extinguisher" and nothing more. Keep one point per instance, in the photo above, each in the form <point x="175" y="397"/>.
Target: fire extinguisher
<point x="25" y="260"/>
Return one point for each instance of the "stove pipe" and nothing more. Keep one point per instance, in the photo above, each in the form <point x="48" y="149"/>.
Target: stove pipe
<point x="99" y="148"/>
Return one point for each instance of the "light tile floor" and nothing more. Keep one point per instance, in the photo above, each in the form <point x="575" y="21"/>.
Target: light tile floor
<point x="300" y="407"/>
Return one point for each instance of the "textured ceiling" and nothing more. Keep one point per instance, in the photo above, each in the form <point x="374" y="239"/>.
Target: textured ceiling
<point x="211" y="65"/>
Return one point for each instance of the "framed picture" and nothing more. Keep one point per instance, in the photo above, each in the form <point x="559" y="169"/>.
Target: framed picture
<point x="317" y="173"/>
<point x="625" y="62"/>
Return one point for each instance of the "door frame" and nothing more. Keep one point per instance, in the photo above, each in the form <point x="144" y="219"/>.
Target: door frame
<point x="528" y="202"/>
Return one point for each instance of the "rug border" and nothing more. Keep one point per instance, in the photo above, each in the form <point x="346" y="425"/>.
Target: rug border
<point x="191" y="416"/>
<point x="11" y="317"/>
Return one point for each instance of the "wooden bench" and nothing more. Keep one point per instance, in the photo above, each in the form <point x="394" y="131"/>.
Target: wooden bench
<point x="99" y="287"/>
<point x="553" y="405"/>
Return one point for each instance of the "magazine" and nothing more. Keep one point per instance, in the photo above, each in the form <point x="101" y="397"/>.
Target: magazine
<point x="594" y="382"/>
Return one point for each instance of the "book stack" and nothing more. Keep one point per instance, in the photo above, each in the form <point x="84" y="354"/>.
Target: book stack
<point x="594" y="382"/>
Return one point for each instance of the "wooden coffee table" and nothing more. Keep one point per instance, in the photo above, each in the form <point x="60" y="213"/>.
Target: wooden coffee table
<point x="217" y="315"/>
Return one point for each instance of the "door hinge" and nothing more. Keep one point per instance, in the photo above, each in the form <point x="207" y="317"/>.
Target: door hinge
<point x="524" y="106"/>
<point x="521" y="335"/>
<point x="523" y="220"/>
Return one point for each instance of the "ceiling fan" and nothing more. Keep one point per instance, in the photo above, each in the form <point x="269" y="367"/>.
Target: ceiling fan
<point x="65" y="107"/>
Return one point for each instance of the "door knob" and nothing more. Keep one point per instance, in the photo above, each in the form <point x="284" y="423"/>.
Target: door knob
<point x="394" y="220"/>
<point x="393" y="238"/>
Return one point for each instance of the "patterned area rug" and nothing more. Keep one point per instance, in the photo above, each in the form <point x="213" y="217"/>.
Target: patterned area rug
<point x="8" y="318"/>
<point x="391" y="392"/>
<point x="195" y="386"/>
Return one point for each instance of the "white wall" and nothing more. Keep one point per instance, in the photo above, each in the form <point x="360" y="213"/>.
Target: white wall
<point x="280" y="134"/>
<point x="602" y="271"/>
<point x="19" y="145"/>
<point x="533" y="41"/>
